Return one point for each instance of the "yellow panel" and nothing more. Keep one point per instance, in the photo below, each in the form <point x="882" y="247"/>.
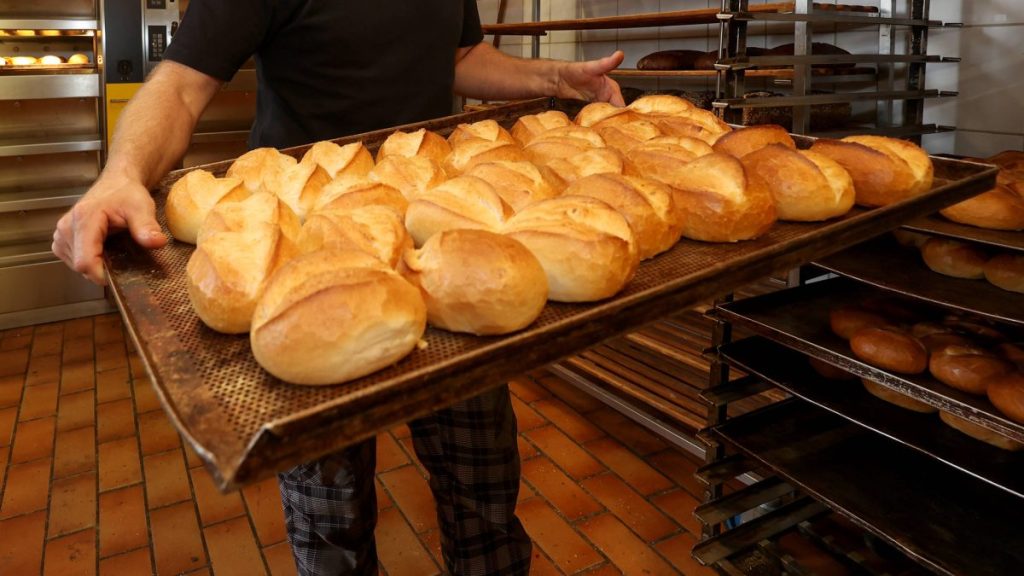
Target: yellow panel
<point x="117" y="96"/>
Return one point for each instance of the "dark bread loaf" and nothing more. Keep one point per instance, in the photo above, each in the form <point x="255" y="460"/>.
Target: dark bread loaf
<point x="669" y="60"/>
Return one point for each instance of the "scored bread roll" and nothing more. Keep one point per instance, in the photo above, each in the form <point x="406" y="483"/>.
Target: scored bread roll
<point x="659" y="158"/>
<point x="193" y="196"/>
<point x="469" y="153"/>
<point x="50" y="60"/>
<point x="623" y="137"/>
<point x="518" y="183"/>
<point x="670" y="60"/>
<point x="898" y="398"/>
<point x="412" y="176"/>
<point x="884" y="170"/>
<point x="261" y="169"/>
<point x="343" y="195"/>
<point x="529" y="127"/>
<point x="464" y="202"/>
<point x="806" y="186"/>
<point x="1007" y="394"/>
<point x="661" y="105"/>
<point x="598" y="114"/>
<point x="303" y="184"/>
<point x="421" y="142"/>
<point x="78" y="59"/>
<point x="829" y="371"/>
<point x="1008" y="159"/>
<point x="22" y="60"/>
<point x="741" y="142"/>
<point x="979" y="432"/>
<point x="646" y="204"/>
<point x="376" y="230"/>
<point x="240" y="244"/>
<point x="488" y="130"/>
<point x="594" y="161"/>
<point x="328" y="317"/>
<point x="584" y="245"/>
<point x="890" y="348"/>
<point x="953" y="258"/>
<point x="847" y="320"/>
<point x="967" y="368"/>
<point x="1006" y="271"/>
<point x="477" y="282"/>
<point x="1001" y="208"/>
<point x="562" y="142"/>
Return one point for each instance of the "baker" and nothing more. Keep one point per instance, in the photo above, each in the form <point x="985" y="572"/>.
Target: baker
<point x="325" y="70"/>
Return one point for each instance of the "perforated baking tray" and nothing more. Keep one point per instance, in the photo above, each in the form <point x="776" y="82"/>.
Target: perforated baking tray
<point x="246" y="425"/>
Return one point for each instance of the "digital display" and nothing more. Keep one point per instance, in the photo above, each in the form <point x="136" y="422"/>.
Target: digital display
<point x="156" y="4"/>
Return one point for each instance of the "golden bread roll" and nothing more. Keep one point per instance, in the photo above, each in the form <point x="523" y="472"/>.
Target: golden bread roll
<point x="518" y="183"/>
<point x="324" y="162"/>
<point x="464" y="202"/>
<point x="78" y="59"/>
<point x="593" y="161"/>
<point x="741" y="142"/>
<point x="528" y="127"/>
<point x="25" y="32"/>
<point x="898" y="398"/>
<point x="477" y="282"/>
<point x="1001" y="208"/>
<point x="980" y="432"/>
<point x="421" y="142"/>
<point x="661" y="105"/>
<point x="806" y="186"/>
<point x="890" y="348"/>
<point x="240" y="244"/>
<point x="910" y="239"/>
<point x="469" y="153"/>
<point x="829" y="371"/>
<point x="584" y="245"/>
<point x="953" y="258"/>
<point x="1006" y="271"/>
<point x="1007" y="394"/>
<point x="22" y="60"/>
<point x="719" y="201"/>
<point x="49" y="32"/>
<point x="967" y="368"/>
<point x="597" y="114"/>
<point x="646" y="204"/>
<point x="677" y="117"/>
<point x="329" y="317"/>
<point x="376" y="230"/>
<point x="683" y="127"/>
<point x="261" y="169"/>
<point x="412" y="176"/>
<point x="343" y="195"/>
<point x="660" y="158"/>
<point x="50" y="60"/>
<point x="624" y="137"/>
<point x="485" y="130"/>
<point x="562" y="143"/>
<point x="847" y="320"/>
<point x="3" y="61"/>
<point x="1008" y="159"/>
<point x="193" y="196"/>
<point x="884" y="170"/>
<point x="935" y="337"/>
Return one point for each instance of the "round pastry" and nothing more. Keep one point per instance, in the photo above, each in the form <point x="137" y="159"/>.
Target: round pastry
<point x="953" y="258"/>
<point x="421" y="142"/>
<point x="935" y="337"/>
<point x="623" y="137"/>
<point x="562" y="143"/>
<point x="329" y="317"/>
<point x="1007" y="395"/>
<point x="593" y="161"/>
<point x="518" y="183"/>
<point x="412" y="176"/>
<point x="967" y="368"/>
<point x="1006" y="271"/>
<point x="529" y="127"/>
<point x="890" y="348"/>
<point x="78" y="59"/>
<point x="846" y="320"/>
<point x="193" y="196"/>
<point x="261" y="169"/>
<point x="898" y="398"/>
<point x="741" y="142"/>
<point x="584" y="245"/>
<point x="829" y="371"/>
<point x="345" y="194"/>
<point x="806" y="186"/>
<point x="980" y="432"/>
<point x="660" y="158"/>
<point x="884" y="170"/>
<point x="22" y="60"/>
<point x="465" y="202"/>
<point x="302" y="184"/>
<point x="485" y="130"/>
<point x="50" y="60"/>
<point x="1001" y="208"/>
<point x="376" y="230"/>
<point x="600" y="114"/>
<point x="469" y="153"/>
<point x="477" y="282"/>
<point x="910" y="239"/>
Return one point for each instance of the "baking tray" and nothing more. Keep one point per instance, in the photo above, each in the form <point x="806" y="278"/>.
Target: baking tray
<point x="936" y="224"/>
<point x="948" y="521"/>
<point x="246" y="425"/>
<point x="799" y="319"/>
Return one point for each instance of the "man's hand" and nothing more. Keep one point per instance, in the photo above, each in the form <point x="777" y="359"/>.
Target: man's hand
<point x="589" y="80"/>
<point x="111" y="204"/>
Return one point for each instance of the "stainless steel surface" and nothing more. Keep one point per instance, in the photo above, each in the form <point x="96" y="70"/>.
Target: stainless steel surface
<point x="70" y="143"/>
<point x="894" y="131"/>
<point x="772" y="101"/>
<point x="55" y="313"/>
<point x="39" y="199"/>
<point x="48" y="172"/>
<point x="28" y="226"/>
<point x="42" y="285"/>
<point x="801" y="70"/>
<point x="936" y="224"/>
<point x="17" y="254"/>
<point x="739" y="62"/>
<point x="25" y="87"/>
<point x="158" y="27"/>
<point x="832" y="17"/>
<point x="51" y="118"/>
<point x="46" y="23"/>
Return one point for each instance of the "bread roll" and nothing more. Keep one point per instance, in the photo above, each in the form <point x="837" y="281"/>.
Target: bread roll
<point x="967" y="368"/>
<point x="676" y="116"/>
<point x="477" y="282"/>
<point x="594" y="161"/>
<point x="465" y="202"/>
<point x="1006" y="271"/>
<point x="598" y="114"/>
<point x="1007" y="394"/>
<point x="1008" y="159"/>
<point x="193" y="196"/>
<point x="661" y="105"/>
<point x="910" y="239"/>
<point x="518" y="183"/>
<point x="661" y="157"/>
<point x="584" y="245"/>
<point x="78" y="59"/>
<point x="669" y="60"/>
<point x="469" y="153"/>
<point x="50" y="60"/>
<point x="562" y="143"/>
<point x="684" y="127"/>
<point x="1012" y="352"/>
<point x="1001" y="208"/>
<point x="829" y="371"/>
<point x="884" y="170"/>
<point x="421" y="142"/>
<point x="261" y="169"/>
<point x="845" y="321"/>
<point x="624" y="137"/>
<point x="330" y="317"/>
<point x="974" y="327"/>
<point x="529" y="127"/>
<point x="806" y="186"/>
<point x="22" y="60"/>
<point x="240" y="244"/>
<point x="646" y="204"/>
<point x="953" y="258"/>
<point x="412" y="176"/>
<point x="980" y="432"/>
<point x="935" y="337"/>
<point x="898" y="398"/>
<point x="303" y="184"/>
<point x="890" y="348"/>
<point x="741" y="142"/>
<point x="485" y="130"/>
<point x="376" y="230"/>
<point x="344" y="195"/>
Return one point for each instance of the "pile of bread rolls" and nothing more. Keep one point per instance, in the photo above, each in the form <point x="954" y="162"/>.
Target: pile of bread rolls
<point x="47" y="60"/>
<point x="962" y="352"/>
<point x="961" y="259"/>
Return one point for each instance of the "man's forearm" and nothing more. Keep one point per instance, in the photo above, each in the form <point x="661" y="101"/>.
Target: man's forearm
<point x="488" y="74"/>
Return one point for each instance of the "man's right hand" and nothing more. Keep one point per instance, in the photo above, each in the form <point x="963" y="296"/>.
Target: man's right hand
<point x="112" y="204"/>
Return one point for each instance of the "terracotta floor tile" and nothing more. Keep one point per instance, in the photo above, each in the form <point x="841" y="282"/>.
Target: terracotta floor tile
<point x="137" y="366"/>
<point x="810" y="557"/>
<point x="111" y="355"/>
<point x="563" y="492"/>
<point x="401" y="432"/>
<point x="280" y="559"/>
<point x="191" y="458"/>
<point x="8" y="416"/>
<point x="400" y="552"/>
<point x="679" y="505"/>
<point x="263" y="500"/>
<point x="78" y="328"/>
<point x="166" y="479"/>
<point x="26" y="489"/>
<point x="5" y="453"/>
<point x="72" y="504"/>
<point x="115" y="420"/>
<point x="146" y="399"/>
<point x="43" y="369"/>
<point x="119" y="463"/>
<point x="16" y="341"/>
<point x="200" y="572"/>
<point x="564" y="452"/>
<point x="47" y="344"/>
<point x="75" y="452"/>
<point x="541" y="566"/>
<point x="71" y="555"/>
<point x="628" y="466"/>
<point x="527" y="418"/>
<point x="21" y="548"/>
<point x="527" y="390"/>
<point x="10" y="390"/>
<point x="39" y="401"/>
<point x="122" y="521"/>
<point x="13" y="361"/>
<point x="76" y="410"/>
<point x="411" y="493"/>
<point x="628" y="432"/>
<point x="233" y="550"/>
<point x="77" y="350"/>
<point x="156" y="433"/>
<point x="107" y="329"/>
<point x="177" y="542"/>
<point x="432" y="541"/>
<point x="526" y="450"/>
<point x="33" y="440"/>
<point x="525" y="492"/>
<point x="606" y="570"/>
<point x="383" y="499"/>
<point x="113" y="385"/>
<point x="570" y="552"/>
<point x="568" y="420"/>
<point x="77" y="376"/>
<point x="630" y="507"/>
<point x="213" y="506"/>
<point x="677" y="550"/>
<point x="679" y="468"/>
<point x="623" y="548"/>
<point x="134" y="562"/>
<point x="571" y="395"/>
<point x="389" y="453"/>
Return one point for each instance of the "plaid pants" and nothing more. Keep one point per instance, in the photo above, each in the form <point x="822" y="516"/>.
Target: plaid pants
<point x="471" y="453"/>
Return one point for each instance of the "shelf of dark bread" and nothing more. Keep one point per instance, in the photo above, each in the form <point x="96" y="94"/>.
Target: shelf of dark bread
<point x="246" y="424"/>
<point x="950" y="522"/>
<point x="798" y="318"/>
<point x="925" y="433"/>
<point x="936" y="224"/>
<point x="882" y="262"/>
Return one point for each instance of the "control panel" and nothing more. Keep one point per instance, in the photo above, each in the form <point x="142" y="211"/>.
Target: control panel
<point x="160" y="19"/>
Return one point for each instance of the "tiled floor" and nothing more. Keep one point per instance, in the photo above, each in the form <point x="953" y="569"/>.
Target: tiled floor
<point x="94" y="479"/>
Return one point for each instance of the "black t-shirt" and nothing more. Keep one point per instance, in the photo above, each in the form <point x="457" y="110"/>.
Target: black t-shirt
<point x="329" y="68"/>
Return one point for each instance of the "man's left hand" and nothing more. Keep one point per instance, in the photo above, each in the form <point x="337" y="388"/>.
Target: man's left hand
<point x="589" y="80"/>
